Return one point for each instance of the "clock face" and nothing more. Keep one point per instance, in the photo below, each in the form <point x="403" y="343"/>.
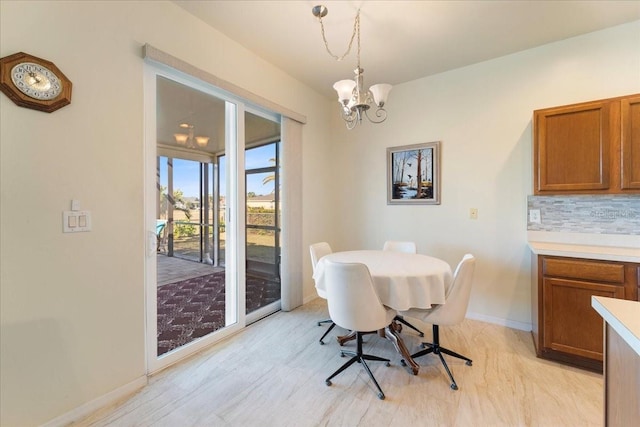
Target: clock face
<point x="33" y="82"/>
<point x="36" y="81"/>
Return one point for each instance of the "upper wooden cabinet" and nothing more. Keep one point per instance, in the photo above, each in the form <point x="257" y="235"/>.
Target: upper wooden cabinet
<point x="630" y="155"/>
<point x="588" y="148"/>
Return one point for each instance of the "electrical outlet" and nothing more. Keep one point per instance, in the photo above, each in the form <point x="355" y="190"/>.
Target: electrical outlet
<point x="534" y="216"/>
<point x="473" y="213"/>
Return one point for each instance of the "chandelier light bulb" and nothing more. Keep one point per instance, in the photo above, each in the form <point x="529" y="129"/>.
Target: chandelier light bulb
<point x="345" y="90"/>
<point x="380" y="93"/>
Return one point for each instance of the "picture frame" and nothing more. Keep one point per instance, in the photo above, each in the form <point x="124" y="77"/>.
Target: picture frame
<point x="404" y="165"/>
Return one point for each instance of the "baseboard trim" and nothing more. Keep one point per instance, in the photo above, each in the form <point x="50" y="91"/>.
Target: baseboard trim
<point x="513" y="324"/>
<point x="102" y="401"/>
<point x="309" y="299"/>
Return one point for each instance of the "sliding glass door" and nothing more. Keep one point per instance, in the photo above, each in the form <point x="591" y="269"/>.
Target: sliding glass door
<point x="196" y="300"/>
<point x="263" y="215"/>
<point x="213" y="263"/>
<point x="263" y="228"/>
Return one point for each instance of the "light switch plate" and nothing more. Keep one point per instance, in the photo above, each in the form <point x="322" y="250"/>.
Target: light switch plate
<point x="76" y="221"/>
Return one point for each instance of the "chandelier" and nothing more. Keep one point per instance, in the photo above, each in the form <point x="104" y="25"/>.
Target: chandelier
<point x="353" y="98"/>
<point x="188" y="140"/>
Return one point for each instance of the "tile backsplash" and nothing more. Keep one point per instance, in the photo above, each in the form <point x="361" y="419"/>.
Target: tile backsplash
<point x="586" y="214"/>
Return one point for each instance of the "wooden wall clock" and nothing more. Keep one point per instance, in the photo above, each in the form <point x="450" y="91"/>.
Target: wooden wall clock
<point x="34" y="82"/>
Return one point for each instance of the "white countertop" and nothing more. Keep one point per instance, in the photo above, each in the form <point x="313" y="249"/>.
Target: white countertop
<point x="612" y="247"/>
<point x="623" y="316"/>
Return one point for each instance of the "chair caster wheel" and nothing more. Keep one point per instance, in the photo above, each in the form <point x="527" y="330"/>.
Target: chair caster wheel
<point x="327" y="382"/>
<point x="469" y="363"/>
<point x="341" y="354"/>
<point x="321" y="342"/>
<point x="381" y="396"/>
<point x="454" y="387"/>
<point x="403" y="363"/>
<point x="387" y="364"/>
<point x="319" y="324"/>
<point x="421" y="334"/>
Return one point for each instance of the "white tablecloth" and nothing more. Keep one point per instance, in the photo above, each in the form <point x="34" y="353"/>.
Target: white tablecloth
<point x="402" y="281"/>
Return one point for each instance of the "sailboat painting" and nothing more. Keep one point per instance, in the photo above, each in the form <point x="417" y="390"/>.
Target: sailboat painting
<point x="413" y="175"/>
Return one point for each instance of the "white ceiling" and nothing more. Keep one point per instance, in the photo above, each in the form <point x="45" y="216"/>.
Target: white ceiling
<point x="177" y="103"/>
<point x="401" y="40"/>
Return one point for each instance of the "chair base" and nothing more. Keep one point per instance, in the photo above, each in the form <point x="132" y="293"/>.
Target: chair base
<point x="435" y="348"/>
<point x="333" y="325"/>
<point x="360" y="357"/>
<point x="324" y="321"/>
<point x="409" y="325"/>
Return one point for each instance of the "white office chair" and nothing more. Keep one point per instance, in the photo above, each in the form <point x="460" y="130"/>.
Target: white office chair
<point x="354" y="304"/>
<point x="452" y="312"/>
<point x="318" y="250"/>
<point x="409" y="248"/>
<point x="398" y="246"/>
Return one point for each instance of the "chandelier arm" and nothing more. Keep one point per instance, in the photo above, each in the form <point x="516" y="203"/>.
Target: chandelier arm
<point x="356" y="29"/>
<point x="380" y="115"/>
<point x="348" y="115"/>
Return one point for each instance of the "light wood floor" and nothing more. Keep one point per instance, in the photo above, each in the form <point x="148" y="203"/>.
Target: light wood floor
<point x="272" y="374"/>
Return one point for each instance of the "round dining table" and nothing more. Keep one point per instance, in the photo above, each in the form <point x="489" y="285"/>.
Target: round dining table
<point x="403" y="281"/>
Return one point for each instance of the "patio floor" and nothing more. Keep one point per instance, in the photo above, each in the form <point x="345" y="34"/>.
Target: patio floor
<point x="172" y="269"/>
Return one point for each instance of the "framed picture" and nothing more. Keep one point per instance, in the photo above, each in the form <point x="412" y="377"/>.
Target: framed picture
<point x="413" y="174"/>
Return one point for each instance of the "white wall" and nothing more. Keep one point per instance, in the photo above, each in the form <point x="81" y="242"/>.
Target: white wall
<point x="482" y="114"/>
<point x="72" y="305"/>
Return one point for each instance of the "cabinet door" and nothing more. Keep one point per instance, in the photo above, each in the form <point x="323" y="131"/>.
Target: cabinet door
<point x="630" y="156"/>
<point x="572" y="148"/>
<point x="571" y="325"/>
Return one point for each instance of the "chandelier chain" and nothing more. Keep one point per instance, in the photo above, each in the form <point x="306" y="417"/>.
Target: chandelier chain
<point x="356" y="29"/>
<point x="358" y="25"/>
<point x="355" y="101"/>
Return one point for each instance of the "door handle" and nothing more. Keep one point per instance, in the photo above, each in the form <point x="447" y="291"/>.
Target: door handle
<point x="152" y="243"/>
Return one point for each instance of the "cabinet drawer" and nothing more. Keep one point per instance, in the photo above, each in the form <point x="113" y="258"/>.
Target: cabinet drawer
<point x="584" y="269"/>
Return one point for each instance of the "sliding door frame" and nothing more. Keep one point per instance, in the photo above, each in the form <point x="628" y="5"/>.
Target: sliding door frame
<point x="158" y="61"/>
<point x="271" y="308"/>
<point x="234" y="217"/>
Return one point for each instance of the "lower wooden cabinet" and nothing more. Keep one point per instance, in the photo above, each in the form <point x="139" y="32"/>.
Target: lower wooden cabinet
<point x="565" y="326"/>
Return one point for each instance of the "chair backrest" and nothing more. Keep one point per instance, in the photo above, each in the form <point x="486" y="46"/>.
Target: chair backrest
<point x="161" y="224"/>
<point x="454" y="309"/>
<point x="318" y="250"/>
<point x="351" y="298"/>
<point x="398" y="246"/>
